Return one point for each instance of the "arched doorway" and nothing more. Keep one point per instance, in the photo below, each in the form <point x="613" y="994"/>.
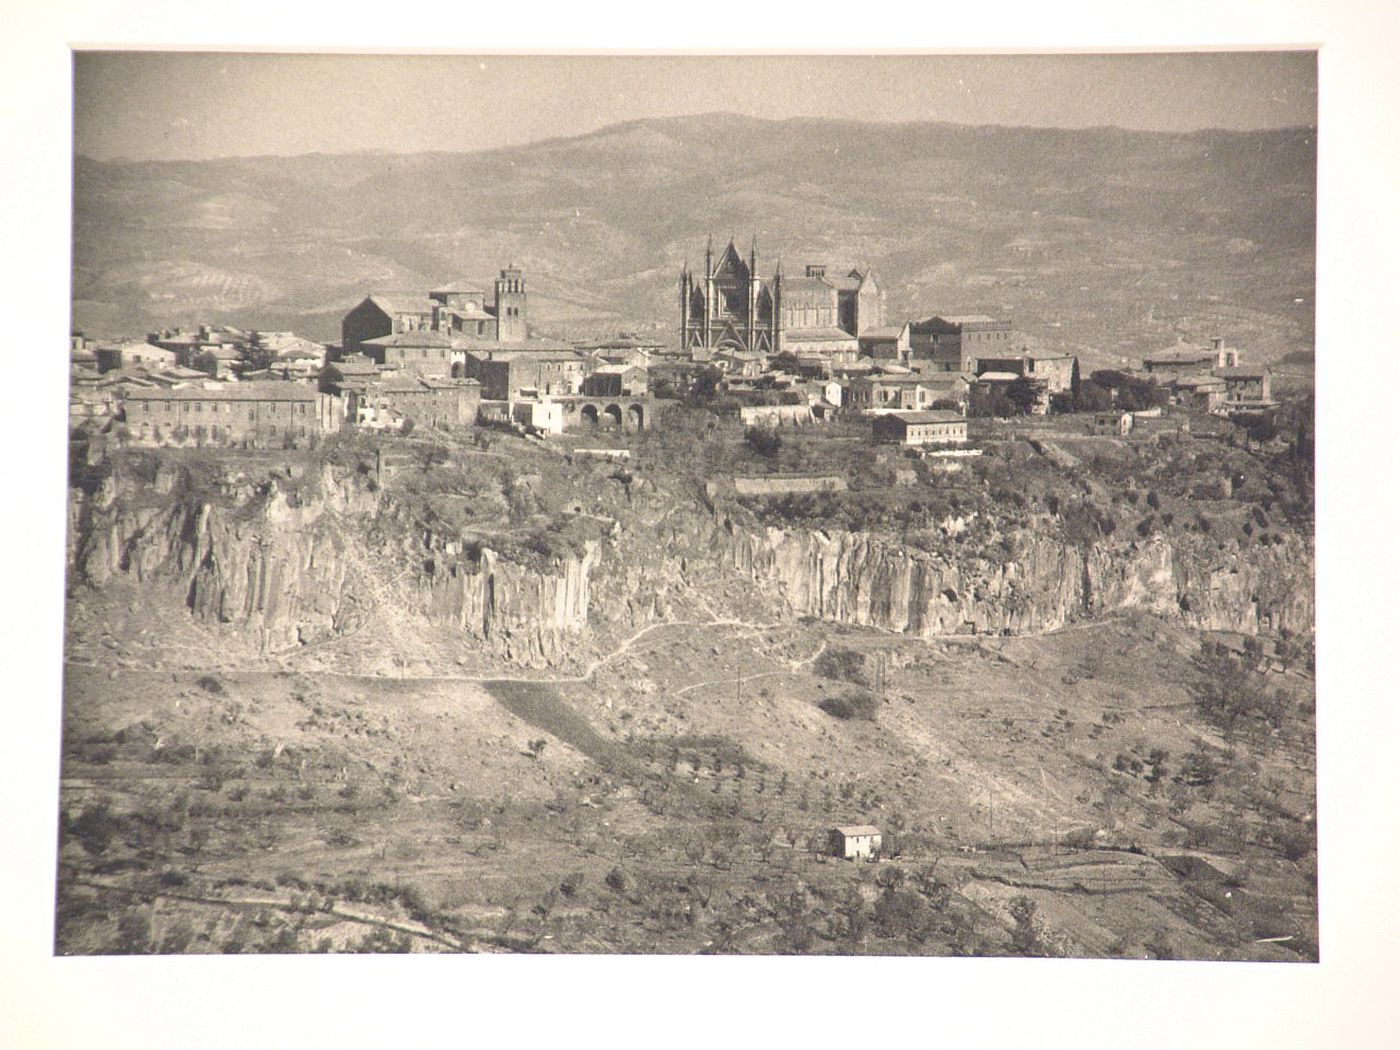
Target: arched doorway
<point x="457" y="369"/>
<point x="613" y="413"/>
<point x="635" y="418"/>
<point x="589" y="414"/>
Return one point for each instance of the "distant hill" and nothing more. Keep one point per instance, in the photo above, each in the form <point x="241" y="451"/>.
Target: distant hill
<point x="1106" y="241"/>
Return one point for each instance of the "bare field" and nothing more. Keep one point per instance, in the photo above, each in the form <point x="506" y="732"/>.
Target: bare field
<point x="1052" y="795"/>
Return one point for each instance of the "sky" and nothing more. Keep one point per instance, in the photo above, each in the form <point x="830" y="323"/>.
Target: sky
<point x="192" y="106"/>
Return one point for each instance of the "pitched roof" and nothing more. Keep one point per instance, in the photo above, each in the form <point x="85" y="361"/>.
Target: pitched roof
<point x="850" y="830"/>
<point x="885" y="332"/>
<point x="999" y="377"/>
<point x="801" y="284"/>
<point x="275" y="390"/>
<point x="402" y="302"/>
<point x="354" y="368"/>
<point x="926" y="416"/>
<point x="424" y="338"/>
<point x="1199" y="381"/>
<point x="528" y="346"/>
<point x="946" y="378"/>
<point x="1243" y="372"/>
<point x="894" y="379"/>
<point x="513" y="352"/>
<point x="305" y="352"/>
<point x="812" y="335"/>
<point x="965" y="319"/>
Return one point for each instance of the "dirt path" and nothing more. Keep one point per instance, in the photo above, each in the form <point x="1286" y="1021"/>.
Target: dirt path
<point x="335" y="911"/>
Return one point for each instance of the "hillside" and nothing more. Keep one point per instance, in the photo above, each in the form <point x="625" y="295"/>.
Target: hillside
<point x="468" y="692"/>
<point x="1106" y="241"/>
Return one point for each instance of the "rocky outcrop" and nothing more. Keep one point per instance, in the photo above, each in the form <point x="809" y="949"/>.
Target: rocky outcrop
<point x="1042" y="584"/>
<point x="283" y="568"/>
<point x="529" y="616"/>
<point x="289" y="561"/>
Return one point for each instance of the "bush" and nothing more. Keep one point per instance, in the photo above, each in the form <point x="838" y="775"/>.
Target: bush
<point x="853" y="704"/>
<point x="842" y="665"/>
<point x="571" y="883"/>
<point x="764" y="440"/>
<point x="210" y="684"/>
<point x="1199" y="769"/>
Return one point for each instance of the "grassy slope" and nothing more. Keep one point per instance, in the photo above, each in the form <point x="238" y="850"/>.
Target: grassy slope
<point x="986" y="755"/>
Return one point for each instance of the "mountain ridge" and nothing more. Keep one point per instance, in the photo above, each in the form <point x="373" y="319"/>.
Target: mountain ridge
<point x="1108" y="241"/>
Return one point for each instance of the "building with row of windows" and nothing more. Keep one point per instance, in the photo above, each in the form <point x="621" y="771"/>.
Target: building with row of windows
<point x="270" y="414"/>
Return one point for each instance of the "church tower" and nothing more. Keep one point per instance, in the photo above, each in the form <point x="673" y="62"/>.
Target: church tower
<point x="510" y="306"/>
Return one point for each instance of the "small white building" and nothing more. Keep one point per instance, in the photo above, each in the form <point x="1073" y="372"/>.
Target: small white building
<point x="546" y="416"/>
<point x="855" y="841"/>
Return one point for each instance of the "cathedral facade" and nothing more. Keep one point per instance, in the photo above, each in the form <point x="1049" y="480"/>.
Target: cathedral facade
<point x="729" y="307"/>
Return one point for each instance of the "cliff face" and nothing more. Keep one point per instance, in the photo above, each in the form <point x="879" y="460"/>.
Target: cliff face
<point x="1041" y="585"/>
<point x="284" y="568"/>
<point x="288" y="563"/>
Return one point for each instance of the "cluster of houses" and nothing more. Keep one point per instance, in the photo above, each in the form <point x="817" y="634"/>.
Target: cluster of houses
<point x="796" y="350"/>
<point x="455" y="357"/>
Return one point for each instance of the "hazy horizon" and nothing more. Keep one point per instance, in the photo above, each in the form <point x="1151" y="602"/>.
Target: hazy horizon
<point x="381" y="151"/>
<point x="139" y="106"/>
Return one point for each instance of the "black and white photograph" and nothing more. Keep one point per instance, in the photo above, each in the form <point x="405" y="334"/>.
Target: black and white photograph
<point x="773" y="525"/>
<point x="707" y="532"/>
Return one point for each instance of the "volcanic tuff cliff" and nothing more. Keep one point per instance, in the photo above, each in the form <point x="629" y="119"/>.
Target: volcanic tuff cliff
<point x="291" y="561"/>
<point x="1043" y="584"/>
<point x="283" y="567"/>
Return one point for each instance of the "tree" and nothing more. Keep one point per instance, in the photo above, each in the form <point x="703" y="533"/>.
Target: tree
<point x="706" y="384"/>
<point x="1023" y="394"/>
<point x="1230" y="693"/>
<point x="766" y="441"/>
<point x="1091" y="397"/>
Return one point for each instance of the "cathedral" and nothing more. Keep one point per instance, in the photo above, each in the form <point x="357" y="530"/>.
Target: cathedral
<point x="729" y="307"/>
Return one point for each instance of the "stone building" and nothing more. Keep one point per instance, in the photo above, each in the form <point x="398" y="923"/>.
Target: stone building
<point x="132" y="353"/>
<point x="1247" y="387"/>
<point x="457" y="309"/>
<point x="427" y="400"/>
<point x="511" y="373"/>
<point x="261" y="414"/>
<point x="920" y="428"/>
<point x="425" y="352"/>
<point x="888" y="393"/>
<point x="386" y="313"/>
<point x="615" y="381"/>
<point x="855" y="842"/>
<point x="1204" y="393"/>
<point x="1059" y="372"/>
<point x="888" y="343"/>
<point x="1182" y="360"/>
<point x="955" y="342"/>
<point x="730" y="307"/>
<point x="1116" y="423"/>
<point x="349" y="373"/>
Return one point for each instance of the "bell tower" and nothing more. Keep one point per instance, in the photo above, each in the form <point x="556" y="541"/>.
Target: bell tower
<point x="510" y="306"/>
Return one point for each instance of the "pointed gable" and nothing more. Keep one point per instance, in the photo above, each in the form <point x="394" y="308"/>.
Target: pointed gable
<point x="732" y="265"/>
